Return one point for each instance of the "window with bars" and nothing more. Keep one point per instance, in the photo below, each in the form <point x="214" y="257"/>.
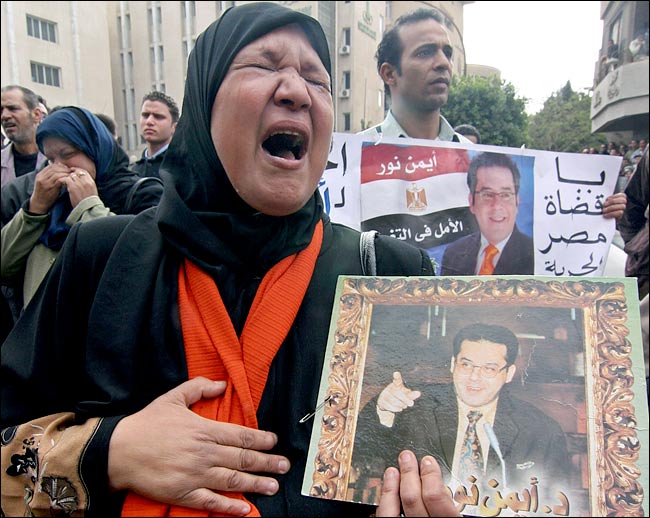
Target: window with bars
<point x="41" y="29"/>
<point x="46" y="74"/>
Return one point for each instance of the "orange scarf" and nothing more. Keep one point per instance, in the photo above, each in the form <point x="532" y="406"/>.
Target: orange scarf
<point x="213" y="350"/>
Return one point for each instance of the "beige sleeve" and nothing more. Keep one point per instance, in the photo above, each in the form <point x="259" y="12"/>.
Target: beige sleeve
<point x="40" y="466"/>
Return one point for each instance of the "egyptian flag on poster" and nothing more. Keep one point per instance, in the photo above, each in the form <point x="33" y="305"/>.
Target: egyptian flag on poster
<point x="416" y="193"/>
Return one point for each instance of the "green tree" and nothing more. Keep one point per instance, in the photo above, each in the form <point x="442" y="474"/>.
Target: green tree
<point x="564" y="123"/>
<point x="491" y="106"/>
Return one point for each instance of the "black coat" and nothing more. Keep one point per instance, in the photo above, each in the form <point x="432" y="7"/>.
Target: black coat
<point x="115" y="344"/>
<point x="146" y="167"/>
<point x="517" y="257"/>
<point x="532" y="443"/>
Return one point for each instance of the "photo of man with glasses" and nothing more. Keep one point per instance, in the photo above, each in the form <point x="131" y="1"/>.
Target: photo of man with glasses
<point x="498" y="247"/>
<point x="473" y="426"/>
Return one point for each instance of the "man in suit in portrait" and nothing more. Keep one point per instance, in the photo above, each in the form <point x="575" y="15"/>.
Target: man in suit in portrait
<point x="473" y="426"/>
<point x="498" y="247"/>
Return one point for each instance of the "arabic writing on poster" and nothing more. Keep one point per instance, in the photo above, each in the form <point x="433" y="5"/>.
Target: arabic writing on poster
<point x="575" y="237"/>
<point x="409" y="162"/>
<point x="339" y="186"/>
<point x="438" y="232"/>
<point x="416" y="191"/>
<point x="492" y="505"/>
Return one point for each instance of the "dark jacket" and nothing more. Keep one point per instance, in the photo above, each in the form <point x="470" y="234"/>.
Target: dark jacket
<point x="148" y="166"/>
<point x="137" y="348"/>
<point x="532" y="443"/>
<point x="517" y="257"/>
<point x="634" y="225"/>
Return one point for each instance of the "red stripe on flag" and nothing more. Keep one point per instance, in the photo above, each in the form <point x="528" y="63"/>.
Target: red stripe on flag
<point x="410" y="163"/>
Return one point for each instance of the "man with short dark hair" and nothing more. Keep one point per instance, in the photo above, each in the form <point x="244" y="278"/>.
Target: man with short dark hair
<point x="42" y="104"/>
<point x="21" y="115"/>
<point x="414" y="59"/>
<point x="110" y="125"/>
<point x="158" y="118"/>
<point x="498" y="247"/>
<point x="470" y="132"/>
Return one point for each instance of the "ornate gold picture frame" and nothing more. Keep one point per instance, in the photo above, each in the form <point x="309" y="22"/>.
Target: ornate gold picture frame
<point x="588" y="351"/>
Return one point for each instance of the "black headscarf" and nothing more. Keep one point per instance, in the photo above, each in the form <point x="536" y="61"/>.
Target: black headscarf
<point x="200" y="213"/>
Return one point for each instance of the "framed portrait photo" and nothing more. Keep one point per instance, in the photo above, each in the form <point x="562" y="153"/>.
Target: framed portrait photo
<point x="529" y="391"/>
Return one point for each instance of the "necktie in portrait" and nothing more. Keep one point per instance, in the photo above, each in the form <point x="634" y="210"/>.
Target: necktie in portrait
<point x="488" y="267"/>
<point x="471" y="455"/>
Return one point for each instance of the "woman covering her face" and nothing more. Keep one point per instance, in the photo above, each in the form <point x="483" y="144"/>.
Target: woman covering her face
<point x="89" y="136"/>
<point x="74" y="138"/>
<point x="86" y="177"/>
<point x="231" y="279"/>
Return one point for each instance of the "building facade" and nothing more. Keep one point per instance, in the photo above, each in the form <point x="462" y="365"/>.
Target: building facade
<point x="151" y="41"/>
<point x="107" y="55"/>
<point x="619" y="104"/>
<point x="60" y="50"/>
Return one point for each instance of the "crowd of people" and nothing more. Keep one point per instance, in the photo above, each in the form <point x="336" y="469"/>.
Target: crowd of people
<point x="163" y="338"/>
<point x="617" y="54"/>
<point x="631" y="154"/>
<point x="61" y="166"/>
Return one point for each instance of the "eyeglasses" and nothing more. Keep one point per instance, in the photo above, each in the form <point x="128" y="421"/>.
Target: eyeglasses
<point x="488" y="196"/>
<point x="466" y="367"/>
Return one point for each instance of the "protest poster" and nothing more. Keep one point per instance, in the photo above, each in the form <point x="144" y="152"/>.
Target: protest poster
<point x="568" y="432"/>
<point x="417" y="191"/>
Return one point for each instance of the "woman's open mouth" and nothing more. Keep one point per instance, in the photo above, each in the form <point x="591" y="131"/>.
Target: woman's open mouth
<point x="289" y="145"/>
